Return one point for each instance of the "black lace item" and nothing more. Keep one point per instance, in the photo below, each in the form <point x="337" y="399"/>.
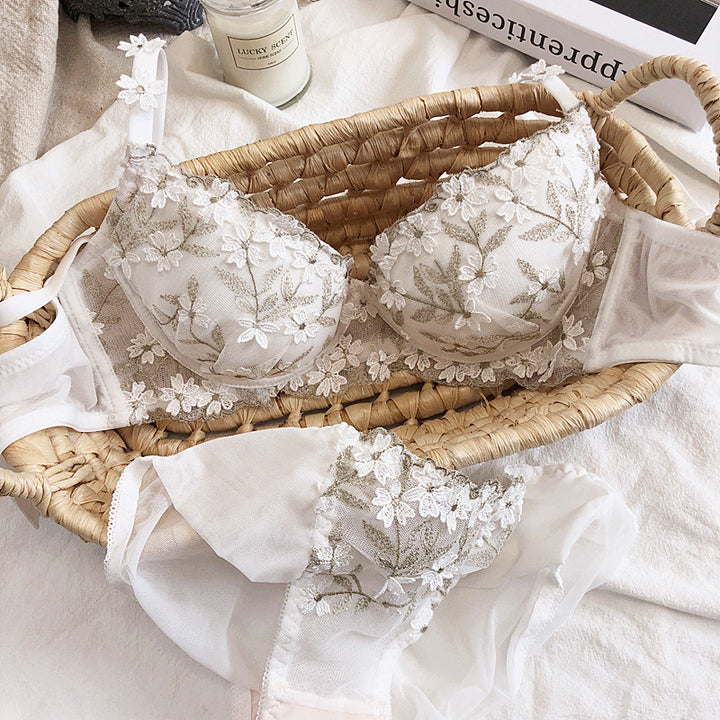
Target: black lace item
<point x="177" y="15"/>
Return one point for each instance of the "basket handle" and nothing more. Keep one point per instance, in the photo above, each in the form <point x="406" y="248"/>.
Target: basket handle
<point x="698" y="75"/>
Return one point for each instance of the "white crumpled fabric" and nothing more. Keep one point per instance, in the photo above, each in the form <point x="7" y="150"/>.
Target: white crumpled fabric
<point x="209" y="539"/>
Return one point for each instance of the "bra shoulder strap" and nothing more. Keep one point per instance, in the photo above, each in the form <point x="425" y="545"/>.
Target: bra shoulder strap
<point x="146" y="93"/>
<point x="147" y="107"/>
<point x="20" y="306"/>
<point x="547" y="76"/>
<point x="565" y="97"/>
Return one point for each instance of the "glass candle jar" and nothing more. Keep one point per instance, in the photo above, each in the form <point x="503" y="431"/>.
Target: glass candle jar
<point x="261" y="47"/>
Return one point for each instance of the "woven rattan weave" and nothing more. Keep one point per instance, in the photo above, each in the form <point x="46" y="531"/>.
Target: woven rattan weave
<point x="347" y="180"/>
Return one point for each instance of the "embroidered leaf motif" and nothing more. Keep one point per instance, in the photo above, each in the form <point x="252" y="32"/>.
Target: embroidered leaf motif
<point x="585" y="154"/>
<point x="348" y="498"/>
<point x="424" y="315"/>
<point x="198" y="250"/>
<point x="421" y="285"/>
<point x="445" y="298"/>
<point x="234" y="283"/>
<point x="270" y="278"/>
<point x="456" y="232"/>
<point x="363" y="603"/>
<point x="496" y="239"/>
<point x="286" y="287"/>
<point x="341" y="603"/>
<point x="528" y="270"/>
<point x="377" y="538"/>
<point x="566" y="191"/>
<point x="432" y="273"/>
<point x="424" y="536"/>
<point x="266" y="307"/>
<point x="523" y="297"/>
<point x="344" y="582"/>
<point x="541" y="231"/>
<point x="192" y="288"/>
<point x="478" y="225"/>
<point x="328" y="299"/>
<point x="217" y="337"/>
<point x="454" y="265"/>
<point x="571" y="213"/>
<point x="552" y="199"/>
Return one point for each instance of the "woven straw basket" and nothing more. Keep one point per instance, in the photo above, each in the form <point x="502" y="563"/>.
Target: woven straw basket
<point x="348" y="180"/>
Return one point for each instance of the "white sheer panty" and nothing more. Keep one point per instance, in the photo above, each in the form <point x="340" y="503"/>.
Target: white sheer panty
<point x="331" y="574"/>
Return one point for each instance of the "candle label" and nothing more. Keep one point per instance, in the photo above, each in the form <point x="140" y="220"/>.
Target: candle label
<point x="267" y="50"/>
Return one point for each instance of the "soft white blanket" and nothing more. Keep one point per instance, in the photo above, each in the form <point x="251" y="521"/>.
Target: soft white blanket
<point x="646" y="645"/>
<point x="27" y="70"/>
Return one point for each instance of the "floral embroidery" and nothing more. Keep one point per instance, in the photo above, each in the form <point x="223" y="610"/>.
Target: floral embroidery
<point x="124" y="260"/>
<point x="430" y="493"/>
<point x="421" y="233"/>
<point x="191" y="311"/>
<point x="348" y="350"/>
<point x="571" y="332"/>
<point x="181" y="395"/>
<point x="461" y="195"/>
<point x="392" y="506"/>
<point x="163" y="250"/>
<point x="259" y="278"/>
<point x="378" y="364"/>
<point x="146" y="348"/>
<point x="216" y="398"/>
<point x="300" y="326"/>
<point x="311" y="600"/>
<point x="313" y="261"/>
<point x="381" y="253"/>
<point x="471" y="316"/>
<point x="392" y="295"/>
<point x="480" y="272"/>
<point x="523" y="166"/>
<point x="417" y="361"/>
<point x="437" y="268"/>
<point x="444" y="296"/>
<point x="163" y="186"/>
<point x="456" y="506"/>
<point x="215" y="201"/>
<point x="545" y="282"/>
<point x="256" y="330"/>
<point x="285" y="237"/>
<point x="241" y="248"/>
<point x="327" y="376"/>
<point x="139" y="43"/>
<point x="140" y="401"/>
<point x="394" y="542"/>
<point x="332" y="558"/>
<point x="536" y="72"/>
<point x="141" y="89"/>
<point x="595" y="269"/>
<point x="515" y="205"/>
<point x="381" y="458"/>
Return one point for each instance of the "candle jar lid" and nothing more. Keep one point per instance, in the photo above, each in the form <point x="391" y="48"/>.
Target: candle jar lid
<point x="237" y="7"/>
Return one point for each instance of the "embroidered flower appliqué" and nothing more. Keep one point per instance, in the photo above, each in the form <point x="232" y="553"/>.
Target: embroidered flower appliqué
<point x="141" y="88"/>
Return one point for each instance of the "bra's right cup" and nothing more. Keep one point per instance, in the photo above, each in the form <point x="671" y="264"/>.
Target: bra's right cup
<point x="491" y="262"/>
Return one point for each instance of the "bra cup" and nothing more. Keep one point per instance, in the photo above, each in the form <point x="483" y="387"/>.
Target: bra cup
<point x="233" y="292"/>
<point x="492" y="261"/>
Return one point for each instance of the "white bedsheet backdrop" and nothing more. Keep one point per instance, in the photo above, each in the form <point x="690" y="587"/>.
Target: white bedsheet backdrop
<point x="645" y="645"/>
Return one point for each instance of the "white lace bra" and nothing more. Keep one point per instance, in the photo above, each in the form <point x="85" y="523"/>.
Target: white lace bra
<point x="250" y="297"/>
<point x="191" y="301"/>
